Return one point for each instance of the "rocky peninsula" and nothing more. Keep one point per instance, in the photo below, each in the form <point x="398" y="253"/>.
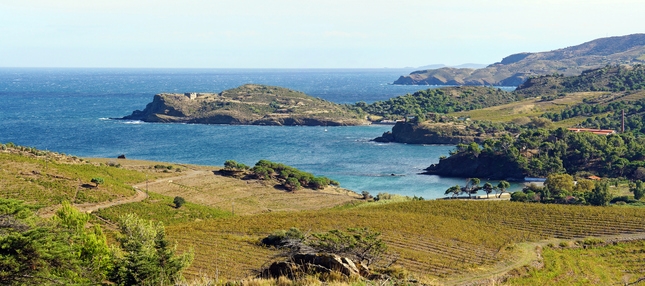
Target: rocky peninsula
<point x="249" y="104"/>
<point x="431" y="133"/>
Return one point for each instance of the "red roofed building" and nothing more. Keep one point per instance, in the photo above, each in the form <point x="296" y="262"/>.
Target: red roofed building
<point x="594" y="131"/>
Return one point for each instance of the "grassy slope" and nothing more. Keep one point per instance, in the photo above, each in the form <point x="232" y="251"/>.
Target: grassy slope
<point x="609" y="265"/>
<point x="434" y="239"/>
<point x="526" y="108"/>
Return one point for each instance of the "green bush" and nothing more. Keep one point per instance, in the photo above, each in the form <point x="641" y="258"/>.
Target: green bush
<point x="178" y="201"/>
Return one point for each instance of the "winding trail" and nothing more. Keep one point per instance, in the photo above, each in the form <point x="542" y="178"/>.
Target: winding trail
<point x="139" y="196"/>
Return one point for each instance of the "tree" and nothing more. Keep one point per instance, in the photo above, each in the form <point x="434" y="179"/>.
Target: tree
<point x="488" y="188"/>
<point x="502" y="186"/>
<point x="98" y="181"/>
<point x="146" y="257"/>
<point x="638" y="188"/>
<point x="600" y="196"/>
<point x="558" y="183"/>
<point x="292" y="184"/>
<point x="472" y="186"/>
<point x="178" y="201"/>
<point x="45" y="252"/>
<point x="454" y="191"/>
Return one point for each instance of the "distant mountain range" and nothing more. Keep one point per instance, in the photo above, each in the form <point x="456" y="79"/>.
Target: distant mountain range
<point x="515" y="69"/>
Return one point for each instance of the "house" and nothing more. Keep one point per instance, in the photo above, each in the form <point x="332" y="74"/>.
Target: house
<point x="594" y="131"/>
<point x="191" y="95"/>
<point x="595" y="178"/>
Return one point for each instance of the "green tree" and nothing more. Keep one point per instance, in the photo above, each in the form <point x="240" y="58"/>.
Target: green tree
<point x="178" y="201"/>
<point x="61" y="251"/>
<point x="453" y="191"/>
<point x="559" y="183"/>
<point x="502" y="186"/>
<point x="638" y="188"/>
<point x="146" y="256"/>
<point x="488" y="188"/>
<point x="292" y="184"/>
<point x="97" y="181"/>
<point x="600" y="196"/>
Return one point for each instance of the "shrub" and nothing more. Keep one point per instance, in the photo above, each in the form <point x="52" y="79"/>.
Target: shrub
<point x="97" y="181"/>
<point x="178" y="201"/>
<point x="281" y="237"/>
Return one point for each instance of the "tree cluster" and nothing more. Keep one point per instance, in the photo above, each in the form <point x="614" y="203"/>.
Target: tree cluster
<point x="561" y="189"/>
<point x="289" y="177"/>
<point x="436" y="101"/>
<point x="65" y="251"/>
<point x="542" y="152"/>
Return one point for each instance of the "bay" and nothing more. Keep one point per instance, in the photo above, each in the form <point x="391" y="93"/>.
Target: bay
<point x="67" y="110"/>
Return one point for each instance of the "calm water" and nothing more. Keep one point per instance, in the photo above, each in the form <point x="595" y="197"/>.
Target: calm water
<point x="66" y="110"/>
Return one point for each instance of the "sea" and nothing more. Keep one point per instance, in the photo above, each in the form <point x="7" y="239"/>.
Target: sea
<point x="68" y="110"/>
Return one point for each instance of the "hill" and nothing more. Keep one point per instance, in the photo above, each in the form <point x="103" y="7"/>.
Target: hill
<point x="433" y="242"/>
<point x="438" y="100"/>
<point x="249" y="105"/>
<point x="513" y="70"/>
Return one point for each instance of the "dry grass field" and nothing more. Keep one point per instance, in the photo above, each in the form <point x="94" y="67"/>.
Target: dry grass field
<point x="439" y="242"/>
<point x="526" y="108"/>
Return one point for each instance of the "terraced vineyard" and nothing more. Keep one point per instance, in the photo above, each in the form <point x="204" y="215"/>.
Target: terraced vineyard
<point x="431" y="238"/>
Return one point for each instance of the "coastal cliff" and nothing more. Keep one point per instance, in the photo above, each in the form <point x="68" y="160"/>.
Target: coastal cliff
<point x="247" y="105"/>
<point x="429" y="133"/>
<point x="488" y="166"/>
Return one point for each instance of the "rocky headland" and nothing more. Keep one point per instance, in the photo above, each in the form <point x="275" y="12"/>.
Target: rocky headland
<point x="430" y="133"/>
<point x="483" y="166"/>
<point x="247" y="105"/>
<point x="513" y="70"/>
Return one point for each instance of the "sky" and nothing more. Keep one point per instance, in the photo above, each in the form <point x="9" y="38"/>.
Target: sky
<point x="297" y="33"/>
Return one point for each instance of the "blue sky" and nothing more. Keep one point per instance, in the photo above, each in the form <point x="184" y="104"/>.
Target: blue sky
<point x="299" y="34"/>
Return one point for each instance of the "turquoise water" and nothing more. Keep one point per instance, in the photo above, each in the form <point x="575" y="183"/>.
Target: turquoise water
<point x="67" y="110"/>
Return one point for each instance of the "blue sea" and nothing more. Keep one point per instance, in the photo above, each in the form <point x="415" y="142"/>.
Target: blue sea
<point x="68" y="111"/>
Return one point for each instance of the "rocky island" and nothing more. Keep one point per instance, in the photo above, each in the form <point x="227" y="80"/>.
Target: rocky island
<point x="249" y="104"/>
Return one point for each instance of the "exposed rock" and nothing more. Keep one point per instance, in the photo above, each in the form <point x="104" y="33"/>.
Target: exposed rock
<point x="413" y="133"/>
<point x="483" y="166"/>
<point x="321" y="263"/>
<point x="122" y="156"/>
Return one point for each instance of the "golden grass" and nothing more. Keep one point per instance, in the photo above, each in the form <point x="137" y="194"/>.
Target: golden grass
<point x="434" y="239"/>
<point x="526" y="108"/>
<point x="249" y="196"/>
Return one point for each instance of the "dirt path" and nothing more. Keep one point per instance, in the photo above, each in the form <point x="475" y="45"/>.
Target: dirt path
<point x="529" y="254"/>
<point x="139" y="196"/>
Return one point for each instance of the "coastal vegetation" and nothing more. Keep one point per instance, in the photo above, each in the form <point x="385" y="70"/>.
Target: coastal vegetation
<point x="437" y="100"/>
<point x="438" y="241"/>
<point x="65" y="250"/>
<point x="540" y="152"/>
<point x="288" y="177"/>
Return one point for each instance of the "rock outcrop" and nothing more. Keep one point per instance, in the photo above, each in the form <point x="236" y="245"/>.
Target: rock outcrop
<point x="312" y="264"/>
<point x="482" y="166"/>
<point x="413" y="133"/>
